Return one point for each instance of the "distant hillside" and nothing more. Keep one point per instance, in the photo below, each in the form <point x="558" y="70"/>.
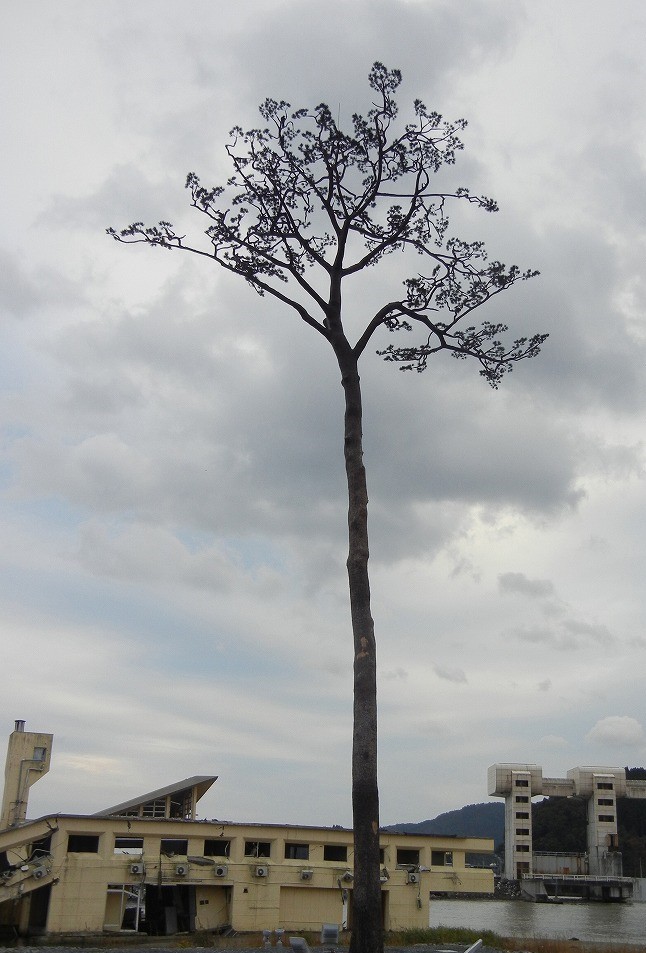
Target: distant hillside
<point x="474" y="820"/>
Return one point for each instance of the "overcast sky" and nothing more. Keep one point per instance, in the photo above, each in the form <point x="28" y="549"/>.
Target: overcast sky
<point x="172" y="591"/>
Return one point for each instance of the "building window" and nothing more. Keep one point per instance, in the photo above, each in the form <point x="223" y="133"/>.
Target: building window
<point x="605" y="802"/>
<point x="604" y="786"/>
<point x="522" y="848"/>
<point x="336" y="852"/>
<point x="441" y="858"/>
<point x="124" y="907"/>
<point x="522" y="799"/>
<point x="297" y="851"/>
<point x="382" y="855"/>
<point x="607" y="818"/>
<point x="132" y="846"/>
<point x="522" y="832"/>
<point x="217" y="847"/>
<point x="155" y="808"/>
<point x="83" y="844"/>
<point x="39" y="754"/>
<point x="181" y="805"/>
<point x="522" y="815"/>
<point x="408" y="856"/>
<point x="522" y="783"/>
<point x="257" y="848"/>
<point x="174" y="847"/>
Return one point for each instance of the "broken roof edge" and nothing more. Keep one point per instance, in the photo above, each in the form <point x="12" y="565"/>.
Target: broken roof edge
<point x="201" y="782"/>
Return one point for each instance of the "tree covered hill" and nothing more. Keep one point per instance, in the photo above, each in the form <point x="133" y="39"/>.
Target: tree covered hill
<point x="473" y="820"/>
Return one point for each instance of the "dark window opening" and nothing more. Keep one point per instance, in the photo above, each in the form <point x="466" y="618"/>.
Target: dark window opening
<point x="217" y="847"/>
<point x="522" y="783"/>
<point x="181" y="805"/>
<point x="605" y="802"/>
<point x="257" y="848"/>
<point x="605" y="786"/>
<point x="41" y="847"/>
<point x="382" y="855"/>
<point x="83" y="844"/>
<point x="297" y="851"/>
<point x="408" y="855"/>
<point x="522" y="848"/>
<point x="522" y="799"/>
<point x="607" y="818"/>
<point x="173" y="847"/>
<point x="522" y="831"/>
<point x="338" y="852"/>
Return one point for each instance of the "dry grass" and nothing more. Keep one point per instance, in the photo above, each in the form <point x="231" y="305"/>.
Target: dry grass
<point x="440" y="936"/>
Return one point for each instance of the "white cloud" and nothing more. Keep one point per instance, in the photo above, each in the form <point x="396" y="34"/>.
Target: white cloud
<point x="553" y="741"/>
<point x="616" y="729"/>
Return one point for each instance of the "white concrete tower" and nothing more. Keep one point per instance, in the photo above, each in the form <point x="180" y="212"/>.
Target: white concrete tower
<point x="601" y="787"/>
<point x="28" y="757"/>
<point x="518" y="784"/>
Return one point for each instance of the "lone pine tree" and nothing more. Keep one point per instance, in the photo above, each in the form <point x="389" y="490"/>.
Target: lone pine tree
<point x="309" y="206"/>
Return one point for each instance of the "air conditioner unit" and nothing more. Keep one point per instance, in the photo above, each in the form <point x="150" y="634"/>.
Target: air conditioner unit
<point x="222" y="870"/>
<point x="262" y="871"/>
<point x="40" y="872"/>
<point x="137" y="869"/>
<point x="413" y="877"/>
<point x="307" y="874"/>
<point x="181" y="870"/>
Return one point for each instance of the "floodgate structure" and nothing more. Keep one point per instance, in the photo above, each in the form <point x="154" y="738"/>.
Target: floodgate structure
<point x="150" y="865"/>
<point x="595" y="874"/>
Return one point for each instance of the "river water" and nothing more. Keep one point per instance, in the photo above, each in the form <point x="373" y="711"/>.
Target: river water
<point x="602" y="922"/>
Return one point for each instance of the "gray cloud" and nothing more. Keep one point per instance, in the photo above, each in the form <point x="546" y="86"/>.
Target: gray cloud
<point x="518" y="582"/>
<point x="172" y="444"/>
<point x="561" y="641"/>
<point x="594" y="631"/>
<point x="455" y="675"/>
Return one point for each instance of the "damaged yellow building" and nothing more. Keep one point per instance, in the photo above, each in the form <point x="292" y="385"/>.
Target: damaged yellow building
<point x="150" y="865"/>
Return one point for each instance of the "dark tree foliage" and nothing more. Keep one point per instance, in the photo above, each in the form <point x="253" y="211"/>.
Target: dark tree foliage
<point x="309" y="206"/>
<point x="631" y="827"/>
<point x="559" y="824"/>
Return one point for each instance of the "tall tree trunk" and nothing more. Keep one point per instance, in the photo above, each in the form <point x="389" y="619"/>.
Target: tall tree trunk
<point x="367" y="931"/>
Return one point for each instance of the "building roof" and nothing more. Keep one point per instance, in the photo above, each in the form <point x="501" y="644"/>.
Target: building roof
<point x="201" y="783"/>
